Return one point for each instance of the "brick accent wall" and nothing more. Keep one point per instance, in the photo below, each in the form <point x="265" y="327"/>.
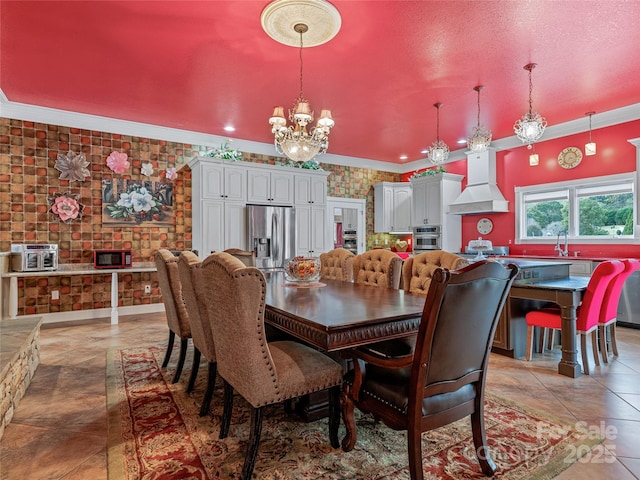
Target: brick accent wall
<point x="28" y="153"/>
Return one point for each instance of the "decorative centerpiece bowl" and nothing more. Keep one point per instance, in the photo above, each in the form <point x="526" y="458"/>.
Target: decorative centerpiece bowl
<point x="302" y="270"/>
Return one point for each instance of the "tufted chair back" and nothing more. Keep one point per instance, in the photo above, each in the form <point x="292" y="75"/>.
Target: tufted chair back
<point x="418" y="271"/>
<point x="198" y="315"/>
<point x="247" y="257"/>
<point x="169" y="280"/>
<point x="380" y="268"/>
<point x="337" y="265"/>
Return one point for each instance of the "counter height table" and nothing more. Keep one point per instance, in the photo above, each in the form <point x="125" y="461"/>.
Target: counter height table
<point x="567" y="294"/>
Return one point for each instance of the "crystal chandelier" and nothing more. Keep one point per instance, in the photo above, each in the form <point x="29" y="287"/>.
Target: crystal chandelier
<point x="590" y="148"/>
<point x="439" y="151"/>
<point x="531" y="126"/>
<point x="480" y="137"/>
<point x="294" y="140"/>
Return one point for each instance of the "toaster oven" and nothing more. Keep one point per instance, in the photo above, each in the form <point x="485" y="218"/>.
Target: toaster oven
<point x="34" y="257"/>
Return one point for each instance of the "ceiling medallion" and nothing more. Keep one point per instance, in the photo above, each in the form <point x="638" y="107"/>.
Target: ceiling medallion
<point x="294" y="140"/>
<point x="322" y="19"/>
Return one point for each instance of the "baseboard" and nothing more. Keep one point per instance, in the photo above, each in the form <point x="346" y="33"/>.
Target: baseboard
<point x="96" y="313"/>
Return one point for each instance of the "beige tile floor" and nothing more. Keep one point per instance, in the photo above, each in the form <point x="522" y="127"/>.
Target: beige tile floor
<point x="59" y="429"/>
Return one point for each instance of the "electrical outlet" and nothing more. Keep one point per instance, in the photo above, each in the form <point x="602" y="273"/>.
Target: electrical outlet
<point x="147" y="289"/>
<point x="55" y="295"/>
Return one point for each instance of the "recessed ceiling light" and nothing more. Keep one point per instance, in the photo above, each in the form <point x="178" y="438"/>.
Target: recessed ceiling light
<point x="461" y="141"/>
<point x="424" y="150"/>
<point x="229" y="128"/>
<point x="403" y="157"/>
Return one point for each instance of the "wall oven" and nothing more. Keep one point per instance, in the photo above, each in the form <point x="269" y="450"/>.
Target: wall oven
<point x="426" y="238"/>
<point x="350" y="241"/>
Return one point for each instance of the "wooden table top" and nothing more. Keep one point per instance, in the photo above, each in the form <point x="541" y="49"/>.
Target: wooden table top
<point x="341" y="314"/>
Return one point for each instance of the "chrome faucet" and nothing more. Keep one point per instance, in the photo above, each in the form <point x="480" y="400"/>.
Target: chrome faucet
<point x="562" y="252"/>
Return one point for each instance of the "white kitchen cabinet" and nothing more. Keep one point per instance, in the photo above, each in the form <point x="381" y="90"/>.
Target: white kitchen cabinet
<point x="224" y="182"/>
<point x="349" y="219"/>
<point x="431" y="198"/>
<point x="223" y="226"/>
<point x="310" y="189"/>
<point x="269" y="187"/>
<point x="312" y="234"/>
<point x="392" y="207"/>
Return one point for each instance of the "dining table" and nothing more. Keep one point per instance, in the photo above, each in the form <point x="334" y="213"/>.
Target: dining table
<point x="332" y="315"/>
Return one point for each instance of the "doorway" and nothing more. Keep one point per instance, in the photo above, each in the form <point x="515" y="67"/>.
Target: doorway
<point x="347" y="223"/>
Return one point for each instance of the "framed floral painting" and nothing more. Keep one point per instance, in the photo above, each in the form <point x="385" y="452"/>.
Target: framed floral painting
<point x="135" y="202"/>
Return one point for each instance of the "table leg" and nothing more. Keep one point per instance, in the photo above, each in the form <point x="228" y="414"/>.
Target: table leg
<point x="114" y="298"/>
<point x="13" y="297"/>
<point x="569" y="365"/>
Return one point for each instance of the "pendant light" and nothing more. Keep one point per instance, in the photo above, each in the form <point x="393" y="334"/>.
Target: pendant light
<point x="439" y="151"/>
<point x="590" y="148"/>
<point x="480" y="137"/>
<point x="531" y="126"/>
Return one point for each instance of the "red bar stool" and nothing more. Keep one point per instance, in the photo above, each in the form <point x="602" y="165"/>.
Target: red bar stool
<point x="609" y="310"/>
<point x="588" y="314"/>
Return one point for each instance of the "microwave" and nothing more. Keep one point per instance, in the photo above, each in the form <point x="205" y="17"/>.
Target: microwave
<point x="112" y="258"/>
<point x="32" y="257"/>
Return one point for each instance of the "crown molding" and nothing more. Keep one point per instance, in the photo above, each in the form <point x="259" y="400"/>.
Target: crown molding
<point x="53" y="116"/>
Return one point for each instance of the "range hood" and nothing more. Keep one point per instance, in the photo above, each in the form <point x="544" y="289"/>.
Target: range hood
<point x="481" y="194"/>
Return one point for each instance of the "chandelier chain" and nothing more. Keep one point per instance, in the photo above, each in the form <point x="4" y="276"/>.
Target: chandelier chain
<point x="301" y="47"/>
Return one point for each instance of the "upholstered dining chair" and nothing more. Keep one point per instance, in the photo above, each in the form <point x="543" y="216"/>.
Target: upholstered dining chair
<point x="443" y="380"/>
<point x="418" y="271"/>
<point x="202" y="337"/>
<point x="175" y="309"/>
<point x="337" y="264"/>
<point x="609" y="311"/>
<point x="588" y="313"/>
<point x="262" y="373"/>
<point x="247" y="257"/>
<point x="380" y="268"/>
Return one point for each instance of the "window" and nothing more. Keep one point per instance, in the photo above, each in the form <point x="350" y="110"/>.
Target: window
<point x="597" y="210"/>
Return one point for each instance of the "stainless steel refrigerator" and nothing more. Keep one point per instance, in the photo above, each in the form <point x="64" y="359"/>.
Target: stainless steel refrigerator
<point x="271" y="234"/>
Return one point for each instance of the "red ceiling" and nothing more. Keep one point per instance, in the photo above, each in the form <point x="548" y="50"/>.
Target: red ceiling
<point x="202" y="65"/>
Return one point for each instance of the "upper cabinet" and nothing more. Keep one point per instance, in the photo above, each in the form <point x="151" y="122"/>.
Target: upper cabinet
<point x="310" y="189"/>
<point x="270" y="187"/>
<point x="224" y="182"/>
<point x="432" y="195"/>
<point x="392" y="207"/>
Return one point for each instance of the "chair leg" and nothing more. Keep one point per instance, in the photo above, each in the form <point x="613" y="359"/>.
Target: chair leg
<point x="612" y="333"/>
<point x="585" y="358"/>
<point x="184" y="343"/>
<point x="228" y="407"/>
<point x="552" y="338"/>
<point x="334" y="415"/>
<point x="211" y="383"/>
<point x="602" y="333"/>
<point x="530" y="341"/>
<point x="480" y="438"/>
<point x="167" y="354"/>
<point x="414" y="442"/>
<point x="594" y="347"/>
<point x="254" y="442"/>
<point x="195" y="366"/>
<point x="543" y="339"/>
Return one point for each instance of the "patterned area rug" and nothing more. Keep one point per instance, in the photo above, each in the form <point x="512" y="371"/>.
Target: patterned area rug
<point x="155" y="433"/>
